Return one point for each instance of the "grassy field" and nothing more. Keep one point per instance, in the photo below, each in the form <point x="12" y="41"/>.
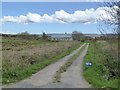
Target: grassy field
<point x="104" y="70"/>
<point x="23" y="57"/>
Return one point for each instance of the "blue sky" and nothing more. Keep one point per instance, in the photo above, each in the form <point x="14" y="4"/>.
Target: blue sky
<point x="23" y="8"/>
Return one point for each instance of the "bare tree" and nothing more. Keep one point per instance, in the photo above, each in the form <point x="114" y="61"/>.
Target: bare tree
<point x="111" y="24"/>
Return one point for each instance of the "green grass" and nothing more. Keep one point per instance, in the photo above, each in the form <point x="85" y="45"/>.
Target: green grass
<point x="99" y="74"/>
<point x="18" y="74"/>
<point x="66" y="65"/>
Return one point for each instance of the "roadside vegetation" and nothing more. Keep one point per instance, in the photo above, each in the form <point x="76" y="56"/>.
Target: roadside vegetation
<point x="0" y="60"/>
<point x="24" y="55"/>
<point x="66" y="65"/>
<point x="104" y="58"/>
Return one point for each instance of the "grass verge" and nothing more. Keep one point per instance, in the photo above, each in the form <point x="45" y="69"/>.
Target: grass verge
<point x="66" y="65"/>
<point x="99" y="75"/>
<point x="22" y="73"/>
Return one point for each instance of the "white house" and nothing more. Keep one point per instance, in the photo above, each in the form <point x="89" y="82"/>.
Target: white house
<point x="60" y="37"/>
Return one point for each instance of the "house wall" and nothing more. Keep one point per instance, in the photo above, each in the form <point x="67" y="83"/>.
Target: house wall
<point x="62" y="38"/>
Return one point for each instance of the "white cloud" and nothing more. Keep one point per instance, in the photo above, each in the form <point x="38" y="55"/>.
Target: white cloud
<point x="22" y="19"/>
<point x="33" y="17"/>
<point x="9" y="19"/>
<point x="87" y="16"/>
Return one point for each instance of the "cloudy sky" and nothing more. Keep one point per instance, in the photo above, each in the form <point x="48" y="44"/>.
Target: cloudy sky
<point x="39" y="17"/>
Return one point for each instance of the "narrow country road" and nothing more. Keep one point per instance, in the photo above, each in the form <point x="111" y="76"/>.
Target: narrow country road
<point x="74" y="75"/>
<point x="72" y="78"/>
